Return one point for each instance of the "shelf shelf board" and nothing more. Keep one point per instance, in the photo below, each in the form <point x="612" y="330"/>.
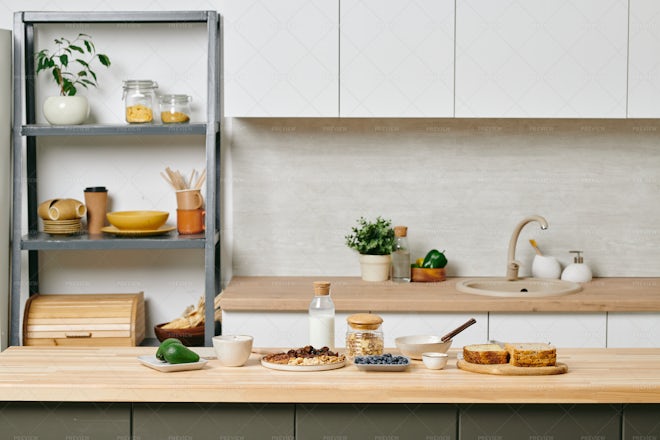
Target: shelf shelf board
<point x="43" y="241"/>
<point x="113" y="129"/>
<point x="116" y="17"/>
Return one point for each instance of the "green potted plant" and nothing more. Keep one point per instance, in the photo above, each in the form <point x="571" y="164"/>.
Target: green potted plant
<point x="70" y="65"/>
<point x="375" y="242"/>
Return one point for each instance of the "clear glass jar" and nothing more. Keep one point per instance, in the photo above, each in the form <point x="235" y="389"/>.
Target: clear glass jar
<point x="175" y="109"/>
<point x="364" y="336"/>
<point x="401" y="256"/>
<point x="139" y="100"/>
<point x="322" y="317"/>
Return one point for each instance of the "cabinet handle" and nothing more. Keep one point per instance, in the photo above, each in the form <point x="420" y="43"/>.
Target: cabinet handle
<point x="78" y="335"/>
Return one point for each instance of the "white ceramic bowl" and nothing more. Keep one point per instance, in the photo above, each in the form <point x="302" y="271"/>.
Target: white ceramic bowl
<point x="232" y="350"/>
<point x="435" y="361"/>
<point x="414" y="346"/>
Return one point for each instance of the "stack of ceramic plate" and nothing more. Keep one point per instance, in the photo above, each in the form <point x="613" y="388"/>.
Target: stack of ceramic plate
<point x="62" y="227"/>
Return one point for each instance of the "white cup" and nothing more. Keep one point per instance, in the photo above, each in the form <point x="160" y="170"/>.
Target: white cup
<point x="435" y="361"/>
<point x="545" y="267"/>
<point x="232" y="350"/>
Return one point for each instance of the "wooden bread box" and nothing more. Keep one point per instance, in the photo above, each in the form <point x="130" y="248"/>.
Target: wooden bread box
<point x="84" y="320"/>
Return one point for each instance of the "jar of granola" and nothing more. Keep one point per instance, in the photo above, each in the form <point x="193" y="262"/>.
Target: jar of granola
<point x="364" y="336"/>
<point x="139" y="100"/>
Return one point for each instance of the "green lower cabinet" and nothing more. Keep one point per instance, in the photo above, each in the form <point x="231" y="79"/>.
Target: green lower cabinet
<point x="540" y="422"/>
<point x="376" y="422"/>
<point x="65" y="421"/>
<point x="207" y="421"/>
<point x="641" y="422"/>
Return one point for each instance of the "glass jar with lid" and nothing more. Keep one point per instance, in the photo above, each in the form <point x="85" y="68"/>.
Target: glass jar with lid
<point x="364" y="336"/>
<point x="139" y="100"/>
<point x="175" y="109"/>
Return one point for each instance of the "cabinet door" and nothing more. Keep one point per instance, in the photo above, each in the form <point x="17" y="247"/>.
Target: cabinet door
<point x="638" y="330"/>
<point x="562" y="330"/>
<point x="640" y="422"/>
<point x="62" y="420"/>
<point x="281" y="58"/>
<point x="540" y="58"/>
<point x="167" y="421"/>
<point x="379" y="421"/>
<point x="542" y="422"/>
<point x="397" y="58"/>
<point x="644" y="59"/>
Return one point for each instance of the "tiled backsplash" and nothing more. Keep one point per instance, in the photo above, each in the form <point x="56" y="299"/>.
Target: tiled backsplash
<point x="461" y="185"/>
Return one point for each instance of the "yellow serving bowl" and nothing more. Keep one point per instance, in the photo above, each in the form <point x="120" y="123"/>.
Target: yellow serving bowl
<point x="138" y="220"/>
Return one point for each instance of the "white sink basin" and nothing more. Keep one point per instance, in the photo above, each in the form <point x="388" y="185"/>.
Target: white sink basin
<point x="521" y="288"/>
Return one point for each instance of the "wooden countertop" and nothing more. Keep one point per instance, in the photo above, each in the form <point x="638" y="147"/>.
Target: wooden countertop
<point x="115" y="375"/>
<point x="352" y="294"/>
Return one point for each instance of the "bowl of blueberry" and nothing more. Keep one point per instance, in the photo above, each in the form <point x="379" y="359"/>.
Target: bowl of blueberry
<point x="382" y="362"/>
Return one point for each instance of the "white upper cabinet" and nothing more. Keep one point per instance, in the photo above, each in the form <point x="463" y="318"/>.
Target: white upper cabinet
<point x="540" y="58"/>
<point x="280" y="58"/>
<point x="397" y="58"/>
<point x="644" y="59"/>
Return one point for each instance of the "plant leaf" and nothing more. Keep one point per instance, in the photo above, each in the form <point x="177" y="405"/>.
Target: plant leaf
<point x="104" y="59"/>
<point x="83" y="62"/>
<point x="82" y="73"/>
<point x="76" y="48"/>
<point x="56" y="75"/>
<point x="68" y="88"/>
<point x="88" y="45"/>
<point x="64" y="59"/>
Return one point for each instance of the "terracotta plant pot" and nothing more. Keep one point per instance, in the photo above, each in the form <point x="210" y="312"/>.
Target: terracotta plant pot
<point x="66" y="110"/>
<point x="375" y="267"/>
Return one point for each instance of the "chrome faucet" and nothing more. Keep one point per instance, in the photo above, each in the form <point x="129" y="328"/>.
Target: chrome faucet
<point x="512" y="264"/>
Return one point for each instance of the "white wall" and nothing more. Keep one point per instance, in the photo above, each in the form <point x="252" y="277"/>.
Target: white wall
<point x="459" y="185"/>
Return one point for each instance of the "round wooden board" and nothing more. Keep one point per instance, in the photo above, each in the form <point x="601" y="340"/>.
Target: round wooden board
<point x="510" y="370"/>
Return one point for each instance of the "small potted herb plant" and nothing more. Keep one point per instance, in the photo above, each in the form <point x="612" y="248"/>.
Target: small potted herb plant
<point x="70" y="65"/>
<point x="374" y="241"/>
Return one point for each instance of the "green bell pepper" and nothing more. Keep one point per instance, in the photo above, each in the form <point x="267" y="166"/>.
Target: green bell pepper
<point x="434" y="260"/>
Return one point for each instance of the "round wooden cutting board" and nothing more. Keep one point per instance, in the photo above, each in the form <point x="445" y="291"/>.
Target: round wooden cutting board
<point x="511" y="370"/>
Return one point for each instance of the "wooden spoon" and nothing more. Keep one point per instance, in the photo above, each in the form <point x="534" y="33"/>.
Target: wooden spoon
<point x="456" y="331"/>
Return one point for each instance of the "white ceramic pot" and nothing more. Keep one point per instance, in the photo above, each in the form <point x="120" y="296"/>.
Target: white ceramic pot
<point x="375" y="267"/>
<point x="545" y="267"/>
<point x="66" y="110"/>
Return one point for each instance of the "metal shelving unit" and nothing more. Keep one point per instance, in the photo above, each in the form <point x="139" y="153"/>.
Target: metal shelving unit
<point x="24" y="151"/>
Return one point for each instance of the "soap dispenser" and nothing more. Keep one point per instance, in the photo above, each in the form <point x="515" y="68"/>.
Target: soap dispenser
<point x="577" y="272"/>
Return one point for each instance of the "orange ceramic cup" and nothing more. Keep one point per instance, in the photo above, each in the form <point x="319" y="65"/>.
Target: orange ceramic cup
<point x="190" y="221"/>
<point x="189" y="199"/>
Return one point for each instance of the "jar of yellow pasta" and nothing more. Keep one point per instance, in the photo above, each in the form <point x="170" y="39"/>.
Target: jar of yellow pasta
<point x="175" y="109"/>
<point x="139" y="100"/>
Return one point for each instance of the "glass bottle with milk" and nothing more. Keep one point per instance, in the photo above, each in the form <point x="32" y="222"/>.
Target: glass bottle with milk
<point x="322" y="317"/>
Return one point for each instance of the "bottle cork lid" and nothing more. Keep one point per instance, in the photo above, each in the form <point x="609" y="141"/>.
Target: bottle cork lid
<point x="321" y="288"/>
<point x="400" y="231"/>
<point x="364" y="321"/>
